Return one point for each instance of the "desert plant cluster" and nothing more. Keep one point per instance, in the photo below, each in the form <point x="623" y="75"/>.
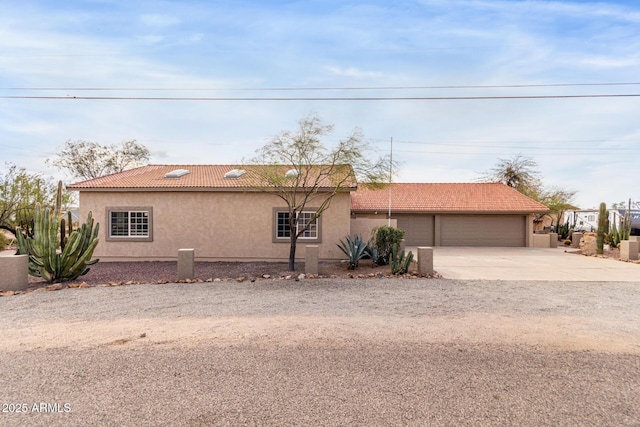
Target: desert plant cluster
<point x="53" y="255"/>
<point x="382" y="249"/>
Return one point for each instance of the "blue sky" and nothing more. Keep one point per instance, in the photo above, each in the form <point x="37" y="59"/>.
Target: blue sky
<point x="415" y="49"/>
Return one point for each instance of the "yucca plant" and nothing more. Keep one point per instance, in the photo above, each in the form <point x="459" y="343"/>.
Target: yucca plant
<point x="45" y="260"/>
<point x="355" y="249"/>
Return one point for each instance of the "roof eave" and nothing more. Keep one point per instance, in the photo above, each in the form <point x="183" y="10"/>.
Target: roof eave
<point x="450" y="211"/>
<point x="208" y="189"/>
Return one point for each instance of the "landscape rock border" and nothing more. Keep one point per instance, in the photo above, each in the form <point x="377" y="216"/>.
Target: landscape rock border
<point x="41" y="286"/>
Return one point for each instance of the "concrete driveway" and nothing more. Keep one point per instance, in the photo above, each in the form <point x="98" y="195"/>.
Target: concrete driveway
<point x="468" y="263"/>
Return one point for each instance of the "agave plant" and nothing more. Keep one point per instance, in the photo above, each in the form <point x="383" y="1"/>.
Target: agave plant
<point x="355" y="248"/>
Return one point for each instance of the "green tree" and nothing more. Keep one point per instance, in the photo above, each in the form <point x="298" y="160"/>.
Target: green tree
<point x="558" y="201"/>
<point x="299" y="169"/>
<point x="626" y="205"/>
<point x="20" y="190"/>
<point x="88" y="160"/>
<point x="520" y="173"/>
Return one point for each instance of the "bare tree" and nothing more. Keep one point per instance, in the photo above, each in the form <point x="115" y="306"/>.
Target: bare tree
<point x="88" y="160"/>
<point x="299" y="169"/>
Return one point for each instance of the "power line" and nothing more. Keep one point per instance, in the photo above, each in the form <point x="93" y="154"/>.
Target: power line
<point x="488" y="141"/>
<point x="348" y="88"/>
<point x="289" y="99"/>
<point x="484" y="153"/>
<point x="499" y="145"/>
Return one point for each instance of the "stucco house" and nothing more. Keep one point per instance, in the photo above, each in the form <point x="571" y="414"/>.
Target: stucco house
<point x="221" y="211"/>
<point x="452" y="214"/>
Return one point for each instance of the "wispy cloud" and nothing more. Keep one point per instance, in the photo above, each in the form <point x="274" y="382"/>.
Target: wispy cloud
<point x="159" y="21"/>
<point x="226" y="45"/>
<point x="353" y="72"/>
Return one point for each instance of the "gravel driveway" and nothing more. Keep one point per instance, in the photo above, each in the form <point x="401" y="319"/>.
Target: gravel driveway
<point x="323" y="352"/>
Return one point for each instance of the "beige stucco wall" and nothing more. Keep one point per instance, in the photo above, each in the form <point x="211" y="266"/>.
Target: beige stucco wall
<point x="364" y="225"/>
<point x="541" y="241"/>
<point x="218" y="225"/>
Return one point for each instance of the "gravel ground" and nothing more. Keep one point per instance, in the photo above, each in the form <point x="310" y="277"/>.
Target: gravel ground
<point x="323" y="352"/>
<point x="167" y="271"/>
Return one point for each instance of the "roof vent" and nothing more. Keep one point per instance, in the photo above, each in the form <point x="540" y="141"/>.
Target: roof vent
<point x="292" y="172"/>
<point x="177" y="173"/>
<point x="235" y="173"/>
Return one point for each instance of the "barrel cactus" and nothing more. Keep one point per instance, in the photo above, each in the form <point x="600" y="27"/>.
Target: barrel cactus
<point x="45" y="259"/>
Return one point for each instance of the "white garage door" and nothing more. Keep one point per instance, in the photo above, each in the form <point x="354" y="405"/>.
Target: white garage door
<point x="418" y="229"/>
<point x="482" y="230"/>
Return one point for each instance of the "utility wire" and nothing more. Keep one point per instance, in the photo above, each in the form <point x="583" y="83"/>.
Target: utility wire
<point x="377" y="98"/>
<point x="355" y="88"/>
<point x="484" y="153"/>
<point x="499" y="145"/>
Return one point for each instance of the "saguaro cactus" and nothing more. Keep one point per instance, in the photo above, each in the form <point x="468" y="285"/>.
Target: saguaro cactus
<point x="45" y="260"/>
<point x="603" y="218"/>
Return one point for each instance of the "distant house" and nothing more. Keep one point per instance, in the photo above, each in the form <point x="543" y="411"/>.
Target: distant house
<point x="150" y="212"/>
<point x="452" y="214"/>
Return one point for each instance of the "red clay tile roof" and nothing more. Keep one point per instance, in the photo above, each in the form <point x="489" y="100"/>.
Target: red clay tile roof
<point x="437" y="197"/>
<point x="205" y="177"/>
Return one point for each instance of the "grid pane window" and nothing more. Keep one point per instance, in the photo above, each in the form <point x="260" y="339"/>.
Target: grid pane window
<point x="283" y="225"/>
<point x="129" y="224"/>
<point x="119" y="224"/>
<point x="304" y="219"/>
<point x="138" y="223"/>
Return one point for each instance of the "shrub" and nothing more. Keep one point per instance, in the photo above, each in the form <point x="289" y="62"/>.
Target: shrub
<point x="4" y="241"/>
<point x="383" y="239"/>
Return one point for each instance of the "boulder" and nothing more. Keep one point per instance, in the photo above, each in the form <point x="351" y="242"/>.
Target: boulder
<point x="589" y="243"/>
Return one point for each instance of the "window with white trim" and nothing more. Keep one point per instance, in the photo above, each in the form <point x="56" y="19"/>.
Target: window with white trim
<point x="305" y="219"/>
<point x="130" y="224"/>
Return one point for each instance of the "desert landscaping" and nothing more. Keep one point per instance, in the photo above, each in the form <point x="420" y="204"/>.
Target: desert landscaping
<point x="338" y="350"/>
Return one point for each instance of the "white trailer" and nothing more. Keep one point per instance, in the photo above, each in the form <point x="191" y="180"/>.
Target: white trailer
<point x="587" y="220"/>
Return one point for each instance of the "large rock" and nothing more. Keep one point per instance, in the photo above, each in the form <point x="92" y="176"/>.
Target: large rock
<point x="589" y="244"/>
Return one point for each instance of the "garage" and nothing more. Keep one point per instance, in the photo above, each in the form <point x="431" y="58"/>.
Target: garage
<point x="483" y="230"/>
<point x="418" y="229"/>
<point x="453" y="214"/>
